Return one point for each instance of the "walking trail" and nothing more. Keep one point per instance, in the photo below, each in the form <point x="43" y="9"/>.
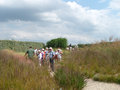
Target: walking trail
<point x="95" y="85"/>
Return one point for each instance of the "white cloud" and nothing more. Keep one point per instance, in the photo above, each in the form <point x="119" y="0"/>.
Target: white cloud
<point x="2" y="2"/>
<point x="48" y="19"/>
<point x="38" y="4"/>
<point x="50" y="16"/>
<point x="21" y="35"/>
<point x="11" y="3"/>
<point x="87" y="14"/>
<point x="115" y="4"/>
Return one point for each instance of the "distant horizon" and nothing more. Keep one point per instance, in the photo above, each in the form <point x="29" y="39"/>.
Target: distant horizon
<point x="39" y="41"/>
<point x="106" y="40"/>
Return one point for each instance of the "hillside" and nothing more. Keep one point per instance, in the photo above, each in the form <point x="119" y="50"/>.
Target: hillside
<point x="19" y="46"/>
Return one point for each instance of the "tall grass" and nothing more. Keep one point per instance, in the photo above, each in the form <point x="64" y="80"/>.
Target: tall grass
<point x="17" y="73"/>
<point x="100" y="61"/>
<point x="68" y="75"/>
<point x="69" y="80"/>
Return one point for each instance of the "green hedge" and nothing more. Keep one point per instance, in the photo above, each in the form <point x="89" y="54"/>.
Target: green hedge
<point x="19" y="45"/>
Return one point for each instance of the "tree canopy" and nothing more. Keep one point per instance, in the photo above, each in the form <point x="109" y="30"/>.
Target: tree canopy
<point x="57" y="43"/>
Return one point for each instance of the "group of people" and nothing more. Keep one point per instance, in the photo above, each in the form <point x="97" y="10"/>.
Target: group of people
<point x="45" y="55"/>
<point x="72" y="48"/>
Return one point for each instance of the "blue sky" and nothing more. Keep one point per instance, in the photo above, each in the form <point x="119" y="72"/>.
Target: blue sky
<point x="94" y="4"/>
<point x="80" y="21"/>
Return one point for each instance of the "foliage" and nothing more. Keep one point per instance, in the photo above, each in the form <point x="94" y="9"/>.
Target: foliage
<point x="19" y="45"/>
<point x="57" y="43"/>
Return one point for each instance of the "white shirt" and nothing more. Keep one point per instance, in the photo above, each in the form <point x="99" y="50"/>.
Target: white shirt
<point x="40" y="56"/>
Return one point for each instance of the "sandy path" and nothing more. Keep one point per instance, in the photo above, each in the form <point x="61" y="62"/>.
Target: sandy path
<point x="94" y="85"/>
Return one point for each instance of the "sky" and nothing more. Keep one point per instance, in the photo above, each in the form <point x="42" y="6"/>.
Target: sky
<point x="80" y="21"/>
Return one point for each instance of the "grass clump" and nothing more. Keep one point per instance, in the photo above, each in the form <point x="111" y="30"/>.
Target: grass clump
<point x="107" y="78"/>
<point x="69" y="80"/>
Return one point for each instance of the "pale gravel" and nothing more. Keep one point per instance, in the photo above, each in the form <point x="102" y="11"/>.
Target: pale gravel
<point x="95" y="85"/>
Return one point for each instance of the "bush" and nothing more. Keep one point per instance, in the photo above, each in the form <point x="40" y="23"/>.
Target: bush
<point x="57" y="43"/>
<point x="69" y="80"/>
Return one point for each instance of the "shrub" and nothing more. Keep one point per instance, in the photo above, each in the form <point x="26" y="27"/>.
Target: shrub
<point x="57" y="43"/>
<point x="69" y="80"/>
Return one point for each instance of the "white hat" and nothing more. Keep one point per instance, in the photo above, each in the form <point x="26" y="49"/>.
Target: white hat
<point x="58" y="49"/>
<point x="50" y="48"/>
<point x="39" y="50"/>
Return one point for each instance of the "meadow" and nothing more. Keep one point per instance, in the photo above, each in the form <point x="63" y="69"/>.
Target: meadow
<point x="19" y="73"/>
<point x="100" y="61"/>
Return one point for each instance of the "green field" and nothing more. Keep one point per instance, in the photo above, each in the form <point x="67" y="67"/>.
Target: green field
<point x="19" y="46"/>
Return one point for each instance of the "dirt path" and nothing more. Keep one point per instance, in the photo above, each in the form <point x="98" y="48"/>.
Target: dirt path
<point x="94" y="85"/>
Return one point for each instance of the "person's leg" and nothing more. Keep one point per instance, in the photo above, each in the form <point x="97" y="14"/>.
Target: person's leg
<point x="43" y="61"/>
<point x="60" y="58"/>
<point x="40" y="62"/>
<point x="48" y="62"/>
<point x="52" y="65"/>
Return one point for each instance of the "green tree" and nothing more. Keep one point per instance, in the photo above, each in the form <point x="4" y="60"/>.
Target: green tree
<point x="57" y="43"/>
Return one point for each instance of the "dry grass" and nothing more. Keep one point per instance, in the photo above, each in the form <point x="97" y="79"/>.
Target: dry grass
<point x="17" y="73"/>
<point x="100" y="61"/>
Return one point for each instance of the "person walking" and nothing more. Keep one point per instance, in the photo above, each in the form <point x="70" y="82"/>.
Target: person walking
<point x="40" y="57"/>
<point x="35" y="51"/>
<point x="59" y="54"/>
<point x="46" y="56"/>
<point x="43" y="54"/>
<point x="30" y="53"/>
<point x="56" y="55"/>
<point x="51" y="58"/>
